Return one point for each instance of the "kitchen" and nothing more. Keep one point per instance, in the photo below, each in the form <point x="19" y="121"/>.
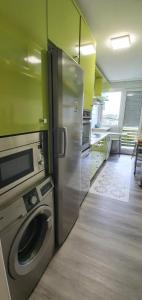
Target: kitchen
<point x="54" y="104"/>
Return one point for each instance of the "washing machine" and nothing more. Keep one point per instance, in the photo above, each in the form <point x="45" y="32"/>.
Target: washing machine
<point x="27" y="238"/>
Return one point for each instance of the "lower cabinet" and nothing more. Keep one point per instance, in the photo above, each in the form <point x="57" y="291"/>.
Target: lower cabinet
<point x="85" y="173"/>
<point x="91" y="160"/>
<point x="99" y="153"/>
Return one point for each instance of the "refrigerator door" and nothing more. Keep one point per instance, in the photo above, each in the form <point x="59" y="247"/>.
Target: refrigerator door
<point x="67" y="106"/>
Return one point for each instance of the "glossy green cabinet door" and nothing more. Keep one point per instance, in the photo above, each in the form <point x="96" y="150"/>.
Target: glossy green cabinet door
<point x="98" y="155"/>
<point x="88" y="64"/>
<point x="23" y="45"/>
<point x="63" y="26"/>
<point x="98" y="86"/>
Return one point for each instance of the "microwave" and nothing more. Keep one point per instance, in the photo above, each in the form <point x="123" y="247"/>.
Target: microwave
<point x="21" y="158"/>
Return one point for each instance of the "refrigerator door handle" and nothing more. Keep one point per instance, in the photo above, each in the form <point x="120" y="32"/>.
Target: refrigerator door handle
<point x="63" y="145"/>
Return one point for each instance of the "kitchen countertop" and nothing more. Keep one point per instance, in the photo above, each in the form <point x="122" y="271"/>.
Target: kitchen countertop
<point x="97" y="137"/>
<point x="102" y="129"/>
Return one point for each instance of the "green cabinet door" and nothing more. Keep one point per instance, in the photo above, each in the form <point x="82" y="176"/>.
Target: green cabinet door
<point x="63" y="26"/>
<point x="98" y="86"/>
<point x="23" y="38"/>
<point x="88" y="64"/>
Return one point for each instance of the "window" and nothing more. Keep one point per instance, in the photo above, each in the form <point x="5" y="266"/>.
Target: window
<point x="131" y="122"/>
<point x="133" y="109"/>
<point x="111" y="109"/>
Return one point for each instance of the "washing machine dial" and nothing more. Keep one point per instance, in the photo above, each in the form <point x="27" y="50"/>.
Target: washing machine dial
<point x="33" y="200"/>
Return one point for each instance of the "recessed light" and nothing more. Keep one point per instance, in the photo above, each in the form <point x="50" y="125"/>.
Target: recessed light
<point x="121" y="42"/>
<point x="87" y="49"/>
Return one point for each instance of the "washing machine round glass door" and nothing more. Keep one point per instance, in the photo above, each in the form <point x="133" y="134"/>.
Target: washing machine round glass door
<point x="31" y="242"/>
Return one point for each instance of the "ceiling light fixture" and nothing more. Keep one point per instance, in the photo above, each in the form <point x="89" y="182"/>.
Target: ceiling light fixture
<point x="121" y="42"/>
<point x="86" y="49"/>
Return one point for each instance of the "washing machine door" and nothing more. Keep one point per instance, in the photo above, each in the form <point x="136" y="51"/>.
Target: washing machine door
<point x="31" y="242"/>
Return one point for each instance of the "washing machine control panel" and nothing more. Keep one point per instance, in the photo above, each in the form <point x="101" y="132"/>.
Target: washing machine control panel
<point x="31" y="199"/>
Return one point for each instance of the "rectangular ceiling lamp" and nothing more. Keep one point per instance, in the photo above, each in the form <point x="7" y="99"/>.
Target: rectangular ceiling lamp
<point x="121" y="42"/>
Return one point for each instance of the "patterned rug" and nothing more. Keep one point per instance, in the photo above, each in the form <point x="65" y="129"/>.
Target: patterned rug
<point x="113" y="181"/>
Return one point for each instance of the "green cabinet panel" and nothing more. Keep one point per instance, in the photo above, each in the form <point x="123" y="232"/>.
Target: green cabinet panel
<point x="88" y="64"/>
<point x="98" y="86"/>
<point x="101" y="83"/>
<point x="64" y="25"/>
<point x="100" y="146"/>
<point x="98" y="155"/>
<point x="23" y="36"/>
<point x="106" y="86"/>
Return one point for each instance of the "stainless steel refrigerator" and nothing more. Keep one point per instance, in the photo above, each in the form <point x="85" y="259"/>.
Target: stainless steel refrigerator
<point x="65" y="86"/>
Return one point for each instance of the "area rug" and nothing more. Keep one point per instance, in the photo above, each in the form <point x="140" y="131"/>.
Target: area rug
<point x="113" y="181"/>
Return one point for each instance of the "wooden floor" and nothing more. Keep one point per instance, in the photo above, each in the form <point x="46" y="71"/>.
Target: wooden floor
<point x="102" y="257"/>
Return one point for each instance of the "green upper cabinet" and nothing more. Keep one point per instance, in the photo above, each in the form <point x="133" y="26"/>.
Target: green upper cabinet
<point x="98" y="86"/>
<point x="64" y="25"/>
<point x="87" y="62"/>
<point x="101" y="83"/>
<point x="23" y="45"/>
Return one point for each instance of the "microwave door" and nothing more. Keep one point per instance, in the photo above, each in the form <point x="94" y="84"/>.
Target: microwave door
<point x="17" y="166"/>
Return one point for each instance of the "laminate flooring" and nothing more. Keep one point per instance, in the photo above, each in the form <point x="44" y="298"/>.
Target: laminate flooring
<point x="102" y="257"/>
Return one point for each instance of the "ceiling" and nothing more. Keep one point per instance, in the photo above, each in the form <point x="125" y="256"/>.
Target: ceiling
<point x="110" y="18"/>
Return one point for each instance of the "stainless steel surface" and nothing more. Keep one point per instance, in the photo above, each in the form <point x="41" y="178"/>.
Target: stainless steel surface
<point x="69" y="116"/>
<point x="10" y="195"/>
<point x="18" y="144"/>
<point x="67" y="101"/>
<point x="12" y="212"/>
<point x="24" y="270"/>
<point x="18" y="140"/>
